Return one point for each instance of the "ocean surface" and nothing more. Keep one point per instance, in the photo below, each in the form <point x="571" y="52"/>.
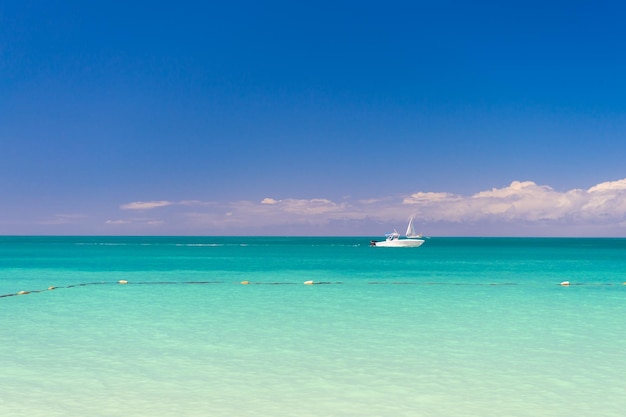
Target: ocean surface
<point x="457" y="327"/>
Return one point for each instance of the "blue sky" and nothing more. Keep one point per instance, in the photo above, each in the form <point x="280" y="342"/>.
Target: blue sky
<point x="313" y="118"/>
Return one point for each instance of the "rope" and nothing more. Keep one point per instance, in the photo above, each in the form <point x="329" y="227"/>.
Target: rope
<point x="125" y="282"/>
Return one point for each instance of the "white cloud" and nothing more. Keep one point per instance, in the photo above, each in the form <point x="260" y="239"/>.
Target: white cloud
<point x="145" y="205"/>
<point x="518" y="206"/>
<point x="294" y="206"/>
<point x="428" y="197"/>
<point x="516" y="188"/>
<point x="136" y="221"/>
<point x="609" y="186"/>
<point x="292" y="210"/>
<point x="605" y="201"/>
<point x="315" y="206"/>
<point x="269" y="201"/>
<point x="525" y="201"/>
<point x="115" y="222"/>
<point x="149" y="205"/>
<point x="65" y="219"/>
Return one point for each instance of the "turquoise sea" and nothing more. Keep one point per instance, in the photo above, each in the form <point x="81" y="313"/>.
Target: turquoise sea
<point x="457" y="327"/>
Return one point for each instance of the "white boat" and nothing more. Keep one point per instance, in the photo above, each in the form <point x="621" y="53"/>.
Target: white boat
<point x="393" y="240"/>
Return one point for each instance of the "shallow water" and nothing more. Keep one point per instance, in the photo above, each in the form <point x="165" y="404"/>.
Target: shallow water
<point x="457" y="327"/>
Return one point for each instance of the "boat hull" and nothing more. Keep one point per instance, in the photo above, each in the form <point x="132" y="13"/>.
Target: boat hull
<point x="399" y="243"/>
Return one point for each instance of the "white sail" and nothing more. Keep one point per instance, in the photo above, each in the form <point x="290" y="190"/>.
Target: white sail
<point x="410" y="230"/>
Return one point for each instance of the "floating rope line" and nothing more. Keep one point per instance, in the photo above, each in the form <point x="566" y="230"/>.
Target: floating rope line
<point x="125" y="282"/>
<point x="122" y="281"/>
<point x="443" y="283"/>
<point x="310" y="282"/>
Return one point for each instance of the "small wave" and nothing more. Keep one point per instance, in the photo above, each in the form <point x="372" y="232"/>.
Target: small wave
<point x="199" y="244"/>
<point x="100" y="244"/>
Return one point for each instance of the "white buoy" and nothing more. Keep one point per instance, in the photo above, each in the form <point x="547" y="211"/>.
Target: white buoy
<point x="565" y="283"/>
<point x="308" y="282"/>
<point x="122" y="281"/>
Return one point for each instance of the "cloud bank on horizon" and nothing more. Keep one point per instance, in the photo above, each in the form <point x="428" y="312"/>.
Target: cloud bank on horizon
<point x="521" y="208"/>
